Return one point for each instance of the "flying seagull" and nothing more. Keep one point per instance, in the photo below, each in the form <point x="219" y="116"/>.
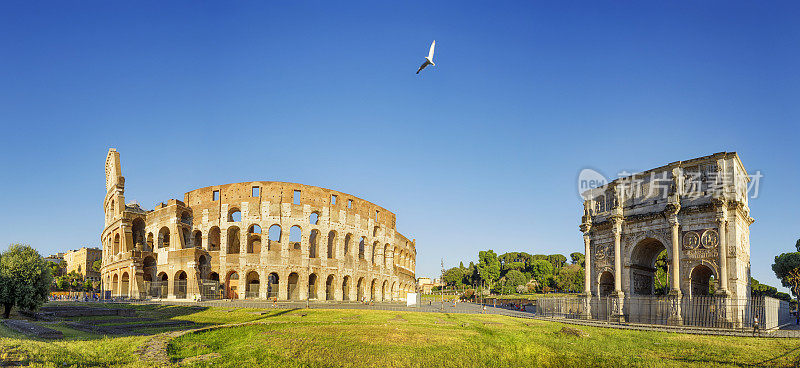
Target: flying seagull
<point x="428" y="59"/>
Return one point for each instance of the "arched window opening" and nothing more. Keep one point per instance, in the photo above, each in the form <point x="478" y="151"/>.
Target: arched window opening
<point x="117" y="249"/>
<point x="347" y="244"/>
<point x="232" y="286"/>
<point x="329" y="288"/>
<point x="386" y="255"/>
<point x="361" y="248"/>
<point x="374" y="252"/>
<point x="254" y="239"/>
<point x="253" y="285"/>
<point x="234" y="215"/>
<point x="187" y="240"/>
<point x="163" y="237"/>
<point x="186" y="218"/>
<point x="293" y="290"/>
<point x="124" y="285"/>
<point x="274" y="237"/>
<point x="346" y="288"/>
<point x="312" y="286"/>
<point x="180" y="285"/>
<point x="214" y="239"/>
<point x="331" y="246"/>
<point x="376" y="231"/>
<point x="314" y="218"/>
<point x="197" y="239"/>
<point x="360" y="290"/>
<point x="272" y="285"/>
<point x="233" y="240"/>
<point x="295" y="234"/>
<point x="138" y="233"/>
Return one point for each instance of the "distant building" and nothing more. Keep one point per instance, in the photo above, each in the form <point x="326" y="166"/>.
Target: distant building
<point x="425" y="285"/>
<point x="81" y="261"/>
<point x="55" y="258"/>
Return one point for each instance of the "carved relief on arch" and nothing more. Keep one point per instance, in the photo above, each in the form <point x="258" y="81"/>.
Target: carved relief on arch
<point x="662" y="235"/>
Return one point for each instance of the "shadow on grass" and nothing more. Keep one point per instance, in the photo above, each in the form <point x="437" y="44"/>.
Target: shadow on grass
<point x="763" y="363"/>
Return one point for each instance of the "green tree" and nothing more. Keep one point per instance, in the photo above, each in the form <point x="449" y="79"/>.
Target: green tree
<point x="97" y="265"/>
<point x="25" y="278"/>
<point x="661" y="278"/>
<point x="542" y="272"/>
<point x="787" y="269"/>
<point x="558" y="260"/>
<point x="454" y="276"/>
<point x="569" y="278"/>
<point x="88" y="286"/>
<point x="488" y="266"/>
<point x="578" y="259"/>
<point x="515" y="278"/>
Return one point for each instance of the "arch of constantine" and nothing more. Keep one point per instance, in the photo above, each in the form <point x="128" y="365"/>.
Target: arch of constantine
<point x="696" y="212"/>
<point x="253" y="240"/>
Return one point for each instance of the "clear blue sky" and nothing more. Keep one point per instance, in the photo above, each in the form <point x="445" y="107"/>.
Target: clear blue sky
<point x="480" y="151"/>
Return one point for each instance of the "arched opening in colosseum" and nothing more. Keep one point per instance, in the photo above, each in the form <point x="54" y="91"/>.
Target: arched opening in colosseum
<point x="181" y="285"/>
<point x="116" y="244"/>
<point x="149" y="265"/>
<point x="214" y="239"/>
<point x="163" y="237"/>
<point x="386" y="255"/>
<point x="295" y="235"/>
<point x="274" y="240"/>
<point x="331" y="244"/>
<point x="197" y="239"/>
<point x="115" y="285"/>
<point x="253" y="285"/>
<point x="233" y="240"/>
<point x="293" y="289"/>
<point x="187" y="240"/>
<point x="376" y="231"/>
<point x="701" y="280"/>
<point x="384" y="289"/>
<point x="213" y="276"/>
<point x="162" y="288"/>
<point x="273" y="285"/>
<point x="360" y="289"/>
<point x="375" y="255"/>
<point x="314" y="218"/>
<point x="138" y="233"/>
<point x="606" y="283"/>
<point x="149" y="246"/>
<point x="361" y="245"/>
<point x="347" y="239"/>
<point x="232" y="285"/>
<point x="254" y="239"/>
<point x="203" y="265"/>
<point x="312" y="243"/>
<point x="373" y="289"/>
<point x="330" y="288"/>
<point x="346" y="288"/>
<point x="312" y="286"/>
<point x="392" y="290"/>
<point x="124" y="284"/>
<point x="234" y="215"/>
<point x="643" y="268"/>
<point x="186" y="218"/>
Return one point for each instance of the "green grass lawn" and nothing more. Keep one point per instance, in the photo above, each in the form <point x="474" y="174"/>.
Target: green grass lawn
<point x="359" y="338"/>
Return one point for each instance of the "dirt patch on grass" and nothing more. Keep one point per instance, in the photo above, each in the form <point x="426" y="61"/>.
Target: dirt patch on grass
<point x="199" y="358"/>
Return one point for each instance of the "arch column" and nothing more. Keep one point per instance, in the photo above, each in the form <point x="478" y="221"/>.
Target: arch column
<point x="618" y="299"/>
<point x="723" y="294"/>
<point x="675" y="295"/>
<point x="586" y="312"/>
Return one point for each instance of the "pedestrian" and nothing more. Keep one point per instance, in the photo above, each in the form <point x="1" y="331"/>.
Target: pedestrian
<point x="755" y="325"/>
<point x="797" y="315"/>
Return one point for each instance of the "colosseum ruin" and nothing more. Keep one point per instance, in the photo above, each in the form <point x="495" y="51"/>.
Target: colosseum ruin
<point x="253" y="240"/>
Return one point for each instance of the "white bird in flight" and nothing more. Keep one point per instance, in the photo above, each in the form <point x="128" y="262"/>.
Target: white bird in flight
<point x="428" y="59"/>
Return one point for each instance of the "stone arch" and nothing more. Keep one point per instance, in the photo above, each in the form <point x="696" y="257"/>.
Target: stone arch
<point x="124" y="284"/>
<point x="313" y="219"/>
<point x="254" y="239"/>
<point x="386" y="255"/>
<point x="116" y="248"/>
<point x="234" y="215"/>
<point x="330" y="287"/>
<point x="293" y="289"/>
<point x="393" y="290"/>
<point x="181" y="284"/>
<point x="361" y="247"/>
<point x="384" y="290"/>
<point x="346" y="288"/>
<point x="700" y="280"/>
<point x="273" y="285"/>
<point x="347" y="240"/>
<point x="186" y="238"/>
<point x="642" y="259"/>
<point x="295" y="237"/>
<point x="373" y="289"/>
<point x="374" y="252"/>
<point x="360" y="289"/>
<point x="138" y="233"/>
<point x="197" y="239"/>
<point x="274" y="237"/>
<point x="115" y="285"/>
<point x="606" y="283"/>
<point x="203" y="265"/>
<point x="186" y="218"/>
<point x="213" y="242"/>
<point x="313" y="239"/>
<point x="163" y="237"/>
<point x="149" y="268"/>
<point x="252" y="285"/>
<point x="232" y="285"/>
<point x="233" y="240"/>
<point x="332" y="244"/>
<point x="312" y="286"/>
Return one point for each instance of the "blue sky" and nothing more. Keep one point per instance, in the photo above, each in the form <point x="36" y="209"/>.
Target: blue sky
<point x="480" y="151"/>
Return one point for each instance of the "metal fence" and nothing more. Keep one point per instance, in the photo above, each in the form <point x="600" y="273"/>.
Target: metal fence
<point x="711" y="311"/>
<point x="211" y="290"/>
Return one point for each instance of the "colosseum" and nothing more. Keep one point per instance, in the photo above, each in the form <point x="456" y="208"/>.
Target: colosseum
<point x="231" y="242"/>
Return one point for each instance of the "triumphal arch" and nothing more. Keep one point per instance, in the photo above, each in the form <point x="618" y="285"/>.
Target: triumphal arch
<point x="696" y="212"/>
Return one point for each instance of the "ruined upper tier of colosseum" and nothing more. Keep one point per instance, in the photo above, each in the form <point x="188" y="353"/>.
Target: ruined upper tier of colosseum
<point x="255" y="240"/>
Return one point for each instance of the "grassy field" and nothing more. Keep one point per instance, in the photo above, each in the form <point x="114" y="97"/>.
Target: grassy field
<point x="357" y="338"/>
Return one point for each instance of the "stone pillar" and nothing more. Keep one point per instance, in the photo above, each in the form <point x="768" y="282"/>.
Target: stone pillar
<point x="586" y="311"/>
<point x="675" y="296"/>
<point x="618" y="299"/>
<point x="283" y="285"/>
<point x="192" y="281"/>
<point x="723" y="294"/>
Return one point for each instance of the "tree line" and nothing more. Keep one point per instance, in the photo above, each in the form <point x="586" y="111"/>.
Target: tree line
<point x="520" y="272"/>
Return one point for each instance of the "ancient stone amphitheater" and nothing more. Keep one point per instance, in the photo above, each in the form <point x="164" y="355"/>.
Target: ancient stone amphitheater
<point x="254" y="240"/>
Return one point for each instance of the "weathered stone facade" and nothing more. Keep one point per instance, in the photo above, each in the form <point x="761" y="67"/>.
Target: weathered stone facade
<point x="696" y="210"/>
<point x="316" y="243"/>
<point x="82" y="261"/>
